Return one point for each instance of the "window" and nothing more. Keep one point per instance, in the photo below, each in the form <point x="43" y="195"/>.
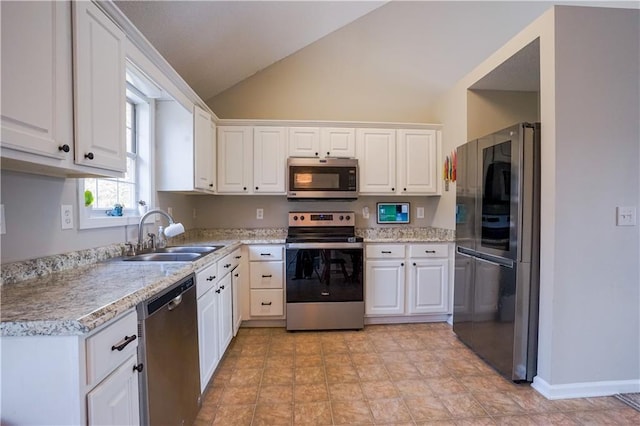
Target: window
<point x="135" y="185"/>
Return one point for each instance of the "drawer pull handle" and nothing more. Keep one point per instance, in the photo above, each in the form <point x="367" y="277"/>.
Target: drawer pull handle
<point x="386" y="252"/>
<point x="138" y="368"/>
<point x="265" y="303"/>
<point x="211" y="278"/>
<point x="430" y="251"/>
<point x="120" y="346"/>
<point x="227" y="265"/>
<point x="265" y="254"/>
<point x="218" y="291"/>
<point x="236" y="275"/>
<point x="238" y="257"/>
<point x="267" y="276"/>
<point x="221" y="287"/>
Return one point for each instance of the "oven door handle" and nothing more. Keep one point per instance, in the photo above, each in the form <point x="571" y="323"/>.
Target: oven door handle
<point x="334" y="245"/>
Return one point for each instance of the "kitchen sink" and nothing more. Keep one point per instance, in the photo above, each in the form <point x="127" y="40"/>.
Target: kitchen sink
<point x="173" y="254"/>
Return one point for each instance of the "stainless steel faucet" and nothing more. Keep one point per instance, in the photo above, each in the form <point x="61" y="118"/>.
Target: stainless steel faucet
<point x="178" y="226"/>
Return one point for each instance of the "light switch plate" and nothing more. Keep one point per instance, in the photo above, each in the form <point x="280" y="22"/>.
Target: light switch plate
<point x="626" y="216"/>
<point x="3" y="226"/>
<point x="420" y="212"/>
<point x="66" y="216"/>
<point x="365" y="212"/>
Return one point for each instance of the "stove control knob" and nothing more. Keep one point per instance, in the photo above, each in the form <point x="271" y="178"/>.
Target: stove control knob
<point x="295" y="218"/>
<point x="341" y="217"/>
<point x="348" y="217"/>
<point x="301" y="217"/>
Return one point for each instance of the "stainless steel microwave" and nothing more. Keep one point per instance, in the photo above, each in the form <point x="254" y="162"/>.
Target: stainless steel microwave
<point x="322" y="178"/>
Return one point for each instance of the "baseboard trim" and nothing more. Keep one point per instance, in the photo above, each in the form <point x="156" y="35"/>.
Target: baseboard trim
<point x="584" y="389"/>
<point x="402" y="319"/>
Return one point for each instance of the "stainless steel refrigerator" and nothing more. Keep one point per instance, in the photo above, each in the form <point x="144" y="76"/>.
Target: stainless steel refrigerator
<point x="497" y="249"/>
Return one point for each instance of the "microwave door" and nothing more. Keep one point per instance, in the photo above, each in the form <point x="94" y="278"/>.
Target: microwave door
<point x="499" y="165"/>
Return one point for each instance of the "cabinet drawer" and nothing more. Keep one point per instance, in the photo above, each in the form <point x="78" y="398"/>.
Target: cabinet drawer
<point x="270" y="252"/>
<point x="428" y="250"/>
<point x="107" y="349"/>
<point x="266" y="274"/>
<point x="267" y="303"/>
<point x="227" y="263"/>
<point x="385" y="251"/>
<point x="206" y="278"/>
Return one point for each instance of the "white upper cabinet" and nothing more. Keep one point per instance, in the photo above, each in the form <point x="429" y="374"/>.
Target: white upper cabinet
<point x="418" y="155"/>
<point x="37" y="109"/>
<point x="204" y="148"/>
<point x="376" y="153"/>
<point x="99" y="65"/>
<point x="322" y="142"/>
<point x="235" y="159"/>
<point x="338" y="142"/>
<point x="269" y="145"/>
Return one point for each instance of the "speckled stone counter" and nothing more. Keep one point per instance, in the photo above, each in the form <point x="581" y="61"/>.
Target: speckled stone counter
<point x="73" y="293"/>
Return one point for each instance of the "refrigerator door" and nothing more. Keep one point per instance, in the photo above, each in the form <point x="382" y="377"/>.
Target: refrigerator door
<point x="463" y="295"/>
<point x="466" y="194"/>
<point x="499" y="166"/>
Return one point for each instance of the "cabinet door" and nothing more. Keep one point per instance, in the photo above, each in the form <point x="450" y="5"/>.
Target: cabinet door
<point x="236" y="287"/>
<point x="304" y="142"/>
<point x="36" y="78"/>
<point x="337" y="142"/>
<point x="207" y="336"/>
<point x="376" y="152"/>
<point x="225" y="314"/>
<point x="235" y="159"/>
<point x="203" y="149"/>
<point x="99" y="61"/>
<point x="417" y="162"/>
<point x="269" y="160"/>
<point x="428" y="287"/>
<point x="115" y="400"/>
<point x="384" y="287"/>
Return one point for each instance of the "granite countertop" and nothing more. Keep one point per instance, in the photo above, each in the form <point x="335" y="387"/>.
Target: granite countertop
<point x="73" y="293"/>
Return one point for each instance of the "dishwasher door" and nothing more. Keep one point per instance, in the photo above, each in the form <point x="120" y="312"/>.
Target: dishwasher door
<point x="170" y="385"/>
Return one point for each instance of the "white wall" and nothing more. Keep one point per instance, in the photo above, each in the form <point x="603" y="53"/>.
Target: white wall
<point x="589" y="337"/>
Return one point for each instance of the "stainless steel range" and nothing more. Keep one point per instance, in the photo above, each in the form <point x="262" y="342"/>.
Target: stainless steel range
<point x="324" y="272"/>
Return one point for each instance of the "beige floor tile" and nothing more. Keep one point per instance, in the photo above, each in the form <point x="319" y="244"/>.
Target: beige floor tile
<point x="386" y="345"/>
<point x="279" y="360"/>
<point x="246" y="376"/>
<point x="379" y="389"/>
<point x="360" y="346"/>
<point x="522" y="420"/>
<point x="431" y="369"/>
<point x="445" y="385"/>
<point x="338" y="347"/>
<point x="234" y="415"/>
<point x="317" y="413"/>
<point x="310" y="392"/>
<point x="402" y="370"/>
<point x="365" y="358"/>
<point x="389" y="411"/>
<point x="206" y="415"/>
<point x="212" y="395"/>
<point x="273" y="414"/>
<point x="532" y="402"/>
<point x="392" y="356"/>
<point x="422" y="355"/>
<point x="369" y="372"/>
<point x="337" y="359"/>
<point x="275" y="394"/>
<point x="461" y="368"/>
<point x="351" y="413"/>
<point x="554" y="419"/>
<point x="409" y="343"/>
<point x="308" y="348"/>
<point x="341" y="373"/>
<point x="277" y="376"/>
<point x="475" y="421"/>
<point x="499" y="403"/>
<point x="309" y="361"/>
<point x="427" y="408"/>
<point x="249" y="362"/>
<point x="462" y="405"/>
<point x="309" y="375"/>
<point x="607" y="402"/>
<point x="345" y="391"/>
<point x="413" y="388"/>
<point x="575" y="404"/>
<point x="255" y="349"/>
<point x="234" y="395"/>
<point x="607" y="417"/>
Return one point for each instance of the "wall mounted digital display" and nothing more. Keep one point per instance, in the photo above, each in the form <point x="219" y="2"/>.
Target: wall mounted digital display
<point x="393" y="212"/>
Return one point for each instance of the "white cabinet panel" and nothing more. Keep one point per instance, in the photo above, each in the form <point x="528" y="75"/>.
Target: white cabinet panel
<point x="235" y="159"/>
<point x="417" y="162"/>
<point x="207" y="336"/>
<point x="237" y="281"/>
<point x="269" y="159"/>
<point x="428" y="289"/>
<point x="267" y="302"/>
<point x="115" y="400"/>
<point x="99" y="65"/>
<point x="225" y="314"/>
<point x="204" y="157"/>
<point x="267" y="274"/>
<point x="304" y="142"/>
<point x="376" y="153"/>
<point x="337" y="142"/>
<point x="384" y="291"/>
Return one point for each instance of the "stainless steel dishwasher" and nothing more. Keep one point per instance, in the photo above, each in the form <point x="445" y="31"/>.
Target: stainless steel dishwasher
<point x="168" y="331"/>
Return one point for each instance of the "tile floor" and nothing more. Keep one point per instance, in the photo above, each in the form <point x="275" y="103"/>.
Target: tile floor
<point x="414" y="374"/>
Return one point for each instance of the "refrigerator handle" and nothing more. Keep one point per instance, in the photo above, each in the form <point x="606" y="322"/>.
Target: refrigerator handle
<point x="488" y="261"/>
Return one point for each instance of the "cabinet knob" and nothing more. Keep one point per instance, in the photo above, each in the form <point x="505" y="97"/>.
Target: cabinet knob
<point x="402" y="264"/>
<point x="210" y="185"/>
<point x="414" y="263"/>
<point x="328" y="153"/>
<point x="221" y="287"/>
<point x="404" y="189"/>
<point x="238" y="257"/>
<point x="393" y="189"/>
<point x="64" y="148"/>
<point x="218" y="291"/>
<point x="236" y="275"/>
<point x="244" y="188"/>
<point x="316" y="154"/>
<point x="256" y="188"/>
<point x="89" y="156"/>
<point x="138" y="368"/>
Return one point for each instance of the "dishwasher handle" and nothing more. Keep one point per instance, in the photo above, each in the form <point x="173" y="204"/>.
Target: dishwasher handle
<point x="174" y="302"/>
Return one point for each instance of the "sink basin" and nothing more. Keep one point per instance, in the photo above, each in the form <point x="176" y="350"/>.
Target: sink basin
<point x="164" y="257"/>
<point x="189" y="249"/>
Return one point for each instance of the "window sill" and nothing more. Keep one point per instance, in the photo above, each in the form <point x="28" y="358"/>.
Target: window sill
<point x="92" y="222"/>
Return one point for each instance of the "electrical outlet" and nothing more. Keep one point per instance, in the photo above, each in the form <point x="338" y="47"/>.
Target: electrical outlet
<point x="260" y="214"/>
<point x="626" y="216"/>
<point x="3" y="226"/>
<point x="365" y="212"/>
<point x="170" y="211"/>
<point x="66" y="216"/>
<point x="420" y="212"/>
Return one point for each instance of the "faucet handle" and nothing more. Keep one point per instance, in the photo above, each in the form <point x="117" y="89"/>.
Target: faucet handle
<point x="152" y="240"/>
<point x="131" y="249"/>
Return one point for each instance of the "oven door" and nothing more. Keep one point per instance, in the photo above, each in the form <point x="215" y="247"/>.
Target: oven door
<point x="324" y="272"/>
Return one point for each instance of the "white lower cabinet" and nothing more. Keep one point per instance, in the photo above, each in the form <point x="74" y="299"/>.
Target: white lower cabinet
<point x="266" y="278"/>
<point x="237" y="279"/>
<point x="391" y="290"/>
<point x="209" y="354"/>
<point x="115" y="401"/>
<point x="225" y="315"/>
